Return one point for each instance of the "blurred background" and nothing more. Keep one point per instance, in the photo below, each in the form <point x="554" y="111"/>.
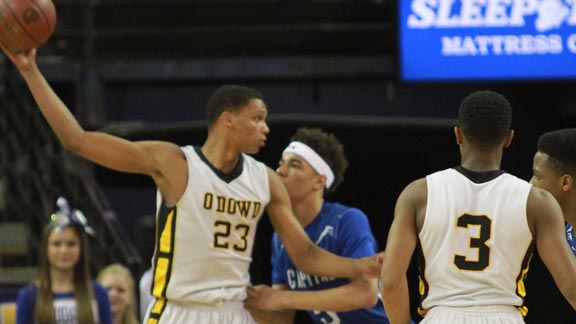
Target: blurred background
<point x="385" y="76"/>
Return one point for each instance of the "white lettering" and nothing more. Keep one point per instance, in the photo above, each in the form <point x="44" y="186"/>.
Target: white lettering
<point x="301" y="280"/>
<point x="549" y="14"/>
<point x="291" y="278"/>
<point x="503" y="45"/>
<point x="496" y="13"/>
<point x="444" y="14"/>
<point x="555" y="44"/>
<point x="572" y="17"/>
<point x="571" y="43"/>
<point x="522" y="8"/>
<point x="471" y="13"/>
<point x="423" y="16"/>
<point x="483" y="42"/>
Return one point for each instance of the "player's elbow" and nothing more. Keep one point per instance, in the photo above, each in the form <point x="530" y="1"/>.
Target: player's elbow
<point x="72" y="144"/>
<point x="569" y="292"/>
<point x="369" y="296"/>
<point x="390" y="286"/>
<point x="360" y="294"/>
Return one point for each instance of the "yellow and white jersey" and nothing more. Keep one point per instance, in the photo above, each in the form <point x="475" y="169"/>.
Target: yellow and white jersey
<point x="204" y="243"/>
<point x="475" y="243"/>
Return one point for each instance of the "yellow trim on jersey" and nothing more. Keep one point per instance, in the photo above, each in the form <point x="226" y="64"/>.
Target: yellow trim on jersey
<point x="160" y="276"/>
<point x="165" y="251"/>
<point x="166" y="237"/>
<point x="156" y="311"/>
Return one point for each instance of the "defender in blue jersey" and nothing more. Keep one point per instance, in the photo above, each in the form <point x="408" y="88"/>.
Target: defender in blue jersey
<point x="312" y="165"/>
<point x="554" y="169"/>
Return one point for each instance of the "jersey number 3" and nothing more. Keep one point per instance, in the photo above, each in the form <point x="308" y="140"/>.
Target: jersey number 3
<point x="479" y="242"/>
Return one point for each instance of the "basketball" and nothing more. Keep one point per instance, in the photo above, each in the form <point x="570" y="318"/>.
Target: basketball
<point x="26" y="24"/>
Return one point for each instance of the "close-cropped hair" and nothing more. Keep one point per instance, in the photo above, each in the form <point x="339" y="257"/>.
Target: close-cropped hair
<point x="44" y="309"/>
<point x="229" y="98"/>
<point x="329" y="148"/>
<point x="560" y="146"/>
<point x="485" y="118"/>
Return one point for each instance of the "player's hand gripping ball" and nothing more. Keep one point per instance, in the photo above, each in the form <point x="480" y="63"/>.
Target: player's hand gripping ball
<point x="26" y="24"/>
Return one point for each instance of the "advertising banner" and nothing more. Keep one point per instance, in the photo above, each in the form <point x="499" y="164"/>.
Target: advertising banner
<point x="444" y="40"/>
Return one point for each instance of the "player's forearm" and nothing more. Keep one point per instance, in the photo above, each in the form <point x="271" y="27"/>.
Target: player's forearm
<point x="320" y="262"/>
<point x="396" y="301"/>
<point x="60" y="119"/>
<point x="352" y="296"/>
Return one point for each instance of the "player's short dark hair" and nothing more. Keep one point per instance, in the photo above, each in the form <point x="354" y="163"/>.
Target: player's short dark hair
<point x="560" y="146"/>
<point x="485" y="118"/>
<point x="229" y="98"/>
<point x="329" y="148"/>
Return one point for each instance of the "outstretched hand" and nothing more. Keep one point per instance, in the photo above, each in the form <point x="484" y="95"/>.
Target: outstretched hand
<point x="372" y="265"/>
<point x="22" y="60"/>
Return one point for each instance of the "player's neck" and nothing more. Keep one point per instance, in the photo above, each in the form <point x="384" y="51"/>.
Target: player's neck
<point x="569" y="210"/>
<point x="219" y="154"/>
<point x="481" y="161"/>
<point x="307" y="210"/>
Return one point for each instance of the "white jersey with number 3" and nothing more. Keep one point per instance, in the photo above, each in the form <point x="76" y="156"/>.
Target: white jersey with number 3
<point x="204" y="243"/>
<point x="475" y="240"/>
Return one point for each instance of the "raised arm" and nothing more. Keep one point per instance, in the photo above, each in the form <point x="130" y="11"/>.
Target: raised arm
<point x="547" y="226"/>
<point x="305" y="255"/>
<point x="402" y="240"/>
<point x="163" y="161"/>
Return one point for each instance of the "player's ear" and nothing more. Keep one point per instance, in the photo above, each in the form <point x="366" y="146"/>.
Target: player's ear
<point x="320" y="182"/>
<point x="567" y="182"/>
<point x="458" y="135"/>
<point x="508" y="138"/>
<point x="226" y="118"/>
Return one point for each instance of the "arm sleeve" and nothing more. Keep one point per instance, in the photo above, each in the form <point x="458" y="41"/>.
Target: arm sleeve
<point x="104" y="311"/>
<point x="355" y="235"/>
<point x="25" y="305"/>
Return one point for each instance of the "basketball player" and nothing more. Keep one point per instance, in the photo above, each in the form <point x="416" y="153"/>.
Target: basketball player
<point x="554" y="169"/>
<point x="474" y="226"/>
<point x="312" y="166"/>
<point x="210" y="199"/>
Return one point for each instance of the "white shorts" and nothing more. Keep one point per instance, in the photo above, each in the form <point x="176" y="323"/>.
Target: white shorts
<point x="161" y="312"/>
<point x="473" y="315"/>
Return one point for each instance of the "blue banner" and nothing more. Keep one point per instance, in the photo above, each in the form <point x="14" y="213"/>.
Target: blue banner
<point x="443" y="40"/>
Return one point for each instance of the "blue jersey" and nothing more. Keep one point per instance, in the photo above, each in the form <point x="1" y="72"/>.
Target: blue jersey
<point x="570" y="238"/>
<point x="64" y="306"/>
<point x="343" y="231"/>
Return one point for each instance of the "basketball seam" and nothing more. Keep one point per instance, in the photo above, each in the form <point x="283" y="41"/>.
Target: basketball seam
<point x="51" y="30"/>
<point x="16" y="20"/>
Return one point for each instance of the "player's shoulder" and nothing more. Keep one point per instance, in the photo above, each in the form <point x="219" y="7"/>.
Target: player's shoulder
<point x="539" y="195"/>
<point x="343" y="210"/>
<point x="344" y="215"/>
<point x="542" y="204"/>
<point x="418" y="186"/>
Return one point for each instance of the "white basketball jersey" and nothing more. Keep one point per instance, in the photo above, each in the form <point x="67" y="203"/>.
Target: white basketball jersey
<point x="204" y="243"/>
<point x="475" y="241"/>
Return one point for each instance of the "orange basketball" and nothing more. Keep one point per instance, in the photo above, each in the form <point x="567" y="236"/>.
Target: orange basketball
<point x="26" y="24"/>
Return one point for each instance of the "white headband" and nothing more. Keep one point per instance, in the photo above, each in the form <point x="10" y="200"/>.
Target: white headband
<point x="315" y="161"/>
